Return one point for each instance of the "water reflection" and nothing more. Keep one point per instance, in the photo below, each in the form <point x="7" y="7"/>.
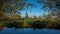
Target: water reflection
<point x="14" y="30"/>
<point x="1" y="28"/>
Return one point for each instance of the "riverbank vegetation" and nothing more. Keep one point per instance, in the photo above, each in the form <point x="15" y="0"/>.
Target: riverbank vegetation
<point x="45" y="21"/>
<point x="10" y="15"/>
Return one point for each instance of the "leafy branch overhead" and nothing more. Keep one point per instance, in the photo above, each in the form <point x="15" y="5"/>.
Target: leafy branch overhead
<point x="10" y="6"/>
<point x="14" y="6"/>
<point x="51" y="5"/>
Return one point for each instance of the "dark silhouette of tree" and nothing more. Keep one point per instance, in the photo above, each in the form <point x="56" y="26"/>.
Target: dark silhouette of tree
<point x="26" y="16"/>
<point x="35" y="16"/>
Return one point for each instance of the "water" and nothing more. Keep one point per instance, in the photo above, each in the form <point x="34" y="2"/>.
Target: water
<point x="29" y="31"/>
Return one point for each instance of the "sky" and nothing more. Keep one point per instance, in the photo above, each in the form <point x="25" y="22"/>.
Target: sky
<point x="37" y="11"/>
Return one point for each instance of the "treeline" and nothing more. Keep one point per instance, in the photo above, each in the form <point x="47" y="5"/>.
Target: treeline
<point x="44" y="21"/>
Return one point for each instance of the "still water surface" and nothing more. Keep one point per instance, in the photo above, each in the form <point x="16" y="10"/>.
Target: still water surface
<point x="29" y="31"/>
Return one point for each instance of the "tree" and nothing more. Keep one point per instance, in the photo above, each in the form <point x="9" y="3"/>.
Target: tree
<point x="26" y="16"/>
<point x="15" y="17"/>
<point x="52" y="6"/>
<point x="13" y="6"/>
<point x="2" y="16"/>
<point x="35" y="16"/>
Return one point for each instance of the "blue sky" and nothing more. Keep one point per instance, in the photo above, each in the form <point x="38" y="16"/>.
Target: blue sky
<point x="34" y="10"/>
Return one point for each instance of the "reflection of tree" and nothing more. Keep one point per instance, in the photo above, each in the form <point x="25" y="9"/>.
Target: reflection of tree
<point x="1" y="28"/>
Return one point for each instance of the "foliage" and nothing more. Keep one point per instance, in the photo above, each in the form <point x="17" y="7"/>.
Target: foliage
<point x="52" y="6"/>
<point x="10" y="7"/>
<point x="30" y="21"/>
